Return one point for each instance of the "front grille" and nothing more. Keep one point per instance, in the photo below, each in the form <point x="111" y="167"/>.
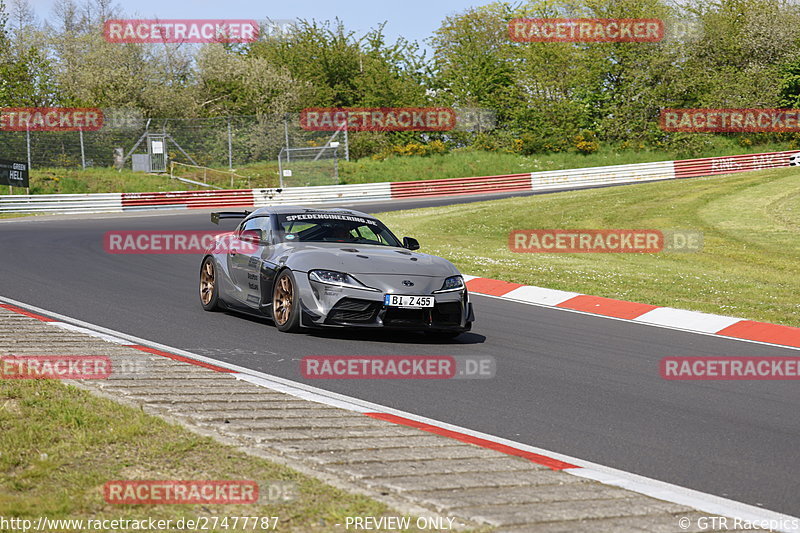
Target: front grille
<point x="406" y="317"/>
<point x="448" y="314"/>
<point x="353" y="310"/>
<point x="441" y="315"/>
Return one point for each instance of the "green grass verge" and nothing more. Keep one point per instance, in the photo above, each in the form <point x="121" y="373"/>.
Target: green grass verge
<point x="59" y="445"/>
<point x="96" y="180"/>
<point x="456" y="164"/>
<point x="748" y="266"/>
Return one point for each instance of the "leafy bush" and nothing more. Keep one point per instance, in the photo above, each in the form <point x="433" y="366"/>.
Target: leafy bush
<point x="586" y="142"/>
<point x="688" y="145"/>
<point x="367" y="144"/>
<point x="539" y="143"/>
<point x="412" y="149"/>
<point x="497" y="141"/>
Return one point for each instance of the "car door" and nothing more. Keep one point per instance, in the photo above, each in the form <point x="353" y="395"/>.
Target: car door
<point x="254" y="237"/>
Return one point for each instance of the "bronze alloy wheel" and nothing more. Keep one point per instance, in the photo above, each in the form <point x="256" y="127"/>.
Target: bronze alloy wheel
<point x="207" y="279"/>
<point x="282" y="300"/>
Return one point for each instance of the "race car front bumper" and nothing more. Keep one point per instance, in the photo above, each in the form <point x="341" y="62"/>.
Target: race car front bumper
<point x="324" y="306"/>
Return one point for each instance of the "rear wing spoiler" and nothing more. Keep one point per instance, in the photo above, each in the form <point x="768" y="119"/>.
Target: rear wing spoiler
<point x="216" y="217"/>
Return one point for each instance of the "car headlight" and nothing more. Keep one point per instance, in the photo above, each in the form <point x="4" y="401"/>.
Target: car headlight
<point x="339" y="279"/>
<point x="452" y="284"/>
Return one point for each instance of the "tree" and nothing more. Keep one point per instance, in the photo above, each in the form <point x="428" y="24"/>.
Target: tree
<point x="342" y="70"/>
<point x="473" y="65"/>
<point x="26" y="76"/>
<point x="743" y="51"/>
<point x="235" y="84"/>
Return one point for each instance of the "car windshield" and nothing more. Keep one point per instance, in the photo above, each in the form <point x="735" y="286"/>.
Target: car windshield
<point x="334" y="227"/>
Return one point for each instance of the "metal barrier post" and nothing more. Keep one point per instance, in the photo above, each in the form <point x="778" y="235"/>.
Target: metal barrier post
<point x="346" y="144"/>
<point x="280" y="167"/>
<point x="286" y="135"/>
<point x="28" y="135"/>
<point x="230" y="148"/>
<point x="83" y="156"/>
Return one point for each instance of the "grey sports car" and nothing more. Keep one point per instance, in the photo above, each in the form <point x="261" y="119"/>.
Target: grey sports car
<point x="312" y="268"/>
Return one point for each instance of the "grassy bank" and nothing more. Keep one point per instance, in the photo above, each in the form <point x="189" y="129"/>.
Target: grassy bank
<point x="96" y="180"/>
<point x="748" y="266"/>
<point x="60" y="445"/>
<point x="366" y="170"/>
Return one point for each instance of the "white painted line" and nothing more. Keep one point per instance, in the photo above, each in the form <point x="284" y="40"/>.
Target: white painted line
<point x="540" y="295"/>
<point x="86" y="331"/>
<point x="708" y="503"/>
<point x="293" y="390"/>
<point x="691" y="320"/>
<point x="714" y="505"/>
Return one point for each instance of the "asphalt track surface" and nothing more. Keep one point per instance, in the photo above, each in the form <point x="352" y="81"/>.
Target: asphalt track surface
<point x="572" y="383"/>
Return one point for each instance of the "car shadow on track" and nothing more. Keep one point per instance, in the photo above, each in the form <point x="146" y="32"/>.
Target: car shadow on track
<point x="395" y="336"/>
<point x="369" y="335"/>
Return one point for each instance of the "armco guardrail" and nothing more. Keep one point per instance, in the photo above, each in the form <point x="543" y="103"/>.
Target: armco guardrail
<point x="187" y="199"/>
<point x="446" y="187"/>
<point x="61" y="203"/>
<point x="587" y="177"/>
<point x="531" y="181"/>
<point x="710" y="166"/>
<point x="324" y="194"/>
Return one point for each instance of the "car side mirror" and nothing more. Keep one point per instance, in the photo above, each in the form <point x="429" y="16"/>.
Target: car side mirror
<point x="410" y="243"/>
<point x="250" y="236"/>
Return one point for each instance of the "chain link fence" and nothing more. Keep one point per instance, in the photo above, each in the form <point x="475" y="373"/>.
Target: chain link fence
<point x="287" y="155"/>
<point x="225" y="142"/>
<point x="305" y="167"/>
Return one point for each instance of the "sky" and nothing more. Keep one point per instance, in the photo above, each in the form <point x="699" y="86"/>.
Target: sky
<point x="413" y="19"/>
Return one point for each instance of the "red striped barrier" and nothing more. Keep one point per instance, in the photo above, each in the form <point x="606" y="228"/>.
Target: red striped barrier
<point x="451" y="186"/>
<point x="709" y="166"/>
<point x="190" y="199"/>
<point x="528" y="181"/>
<point x="688" y="168"/>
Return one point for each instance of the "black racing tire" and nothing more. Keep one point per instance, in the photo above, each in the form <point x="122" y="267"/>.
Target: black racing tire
<point x="286" y="303"/>
<point x="209" y="287"/>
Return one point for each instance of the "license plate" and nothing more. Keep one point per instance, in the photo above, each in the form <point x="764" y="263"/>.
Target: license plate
<point x="397" y="300"/>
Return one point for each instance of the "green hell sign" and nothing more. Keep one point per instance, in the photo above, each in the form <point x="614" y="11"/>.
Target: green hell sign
<point x="13" y="173"/>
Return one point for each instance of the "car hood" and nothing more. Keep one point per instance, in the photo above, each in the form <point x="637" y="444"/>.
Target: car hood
<point x="366" y="259"/>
